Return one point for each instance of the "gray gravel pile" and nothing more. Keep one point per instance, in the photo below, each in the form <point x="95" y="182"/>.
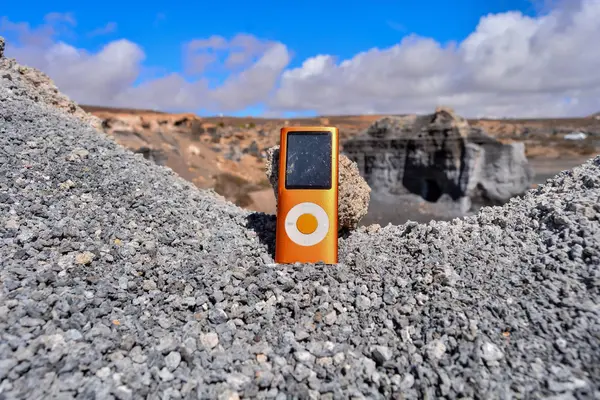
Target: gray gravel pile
<point x="120" y="280"/>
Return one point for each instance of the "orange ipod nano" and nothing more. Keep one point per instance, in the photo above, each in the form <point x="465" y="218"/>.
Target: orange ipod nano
<point x="307" y="206"/>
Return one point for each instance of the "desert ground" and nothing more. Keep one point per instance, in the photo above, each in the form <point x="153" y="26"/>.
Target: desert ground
<point x="228" y="153"/>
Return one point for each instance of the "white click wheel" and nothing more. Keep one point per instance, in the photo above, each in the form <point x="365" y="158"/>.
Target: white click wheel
<point x="306" y="224"/>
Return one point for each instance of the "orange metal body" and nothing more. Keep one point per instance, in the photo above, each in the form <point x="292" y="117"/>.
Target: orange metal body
<point x="286" y="251"/>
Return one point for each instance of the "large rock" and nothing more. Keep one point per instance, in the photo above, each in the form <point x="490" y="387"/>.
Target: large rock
<point x="502" y="171"/>
<point x="440" y="159"/>
<point x="353" y="191"/>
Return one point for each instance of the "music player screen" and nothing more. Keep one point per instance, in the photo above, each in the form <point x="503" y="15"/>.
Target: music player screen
<point x="308" y="161"/>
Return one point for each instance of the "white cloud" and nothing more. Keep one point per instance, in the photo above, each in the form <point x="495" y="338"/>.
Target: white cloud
<point x="171" y="92"/>
<point x="254" y="84"/>
<point x="56" y="17"/>
<point x="510" y="65"/>
<point x="110" y="27"/>
<point x="109" y="76"/>
<point x="236" y="54"/>
<point x="88" y="78"/>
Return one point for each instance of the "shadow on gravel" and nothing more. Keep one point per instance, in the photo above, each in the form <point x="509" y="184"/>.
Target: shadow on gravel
<point x="264" y="226"/>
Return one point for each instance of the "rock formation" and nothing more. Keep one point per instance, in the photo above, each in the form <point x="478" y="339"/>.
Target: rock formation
<point x="157" y="156"/>
<point x="438" y="158"/>
<point x="502" y="171"/>
<point x="353" y="192"/>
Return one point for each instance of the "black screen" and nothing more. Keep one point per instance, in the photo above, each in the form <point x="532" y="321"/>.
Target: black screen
<point x="308" y="161"/>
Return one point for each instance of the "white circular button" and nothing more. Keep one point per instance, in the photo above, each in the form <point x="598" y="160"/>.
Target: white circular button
<point x="306" y="239"/>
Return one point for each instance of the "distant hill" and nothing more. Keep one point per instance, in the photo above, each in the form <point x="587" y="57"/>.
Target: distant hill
<point x="595" y="115"/>
<point x="92" y="109"/>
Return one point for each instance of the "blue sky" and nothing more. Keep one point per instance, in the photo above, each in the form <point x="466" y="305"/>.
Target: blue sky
<point x="307" y="28"/>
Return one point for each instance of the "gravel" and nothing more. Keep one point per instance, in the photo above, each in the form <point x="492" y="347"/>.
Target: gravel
<point x="120" y="280"/>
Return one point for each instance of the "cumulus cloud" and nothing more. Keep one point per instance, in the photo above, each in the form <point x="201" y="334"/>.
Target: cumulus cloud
<point x="84" y="76"/>
<point x="510" y="65"/>
<point x="110" y="76"/>
<point x="254" y="84"/>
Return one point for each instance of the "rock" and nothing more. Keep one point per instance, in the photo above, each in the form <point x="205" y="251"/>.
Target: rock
<point x="217" y="316"/>
<point x="194" y="150"/>
<point x="301" y="335"/>
<point x="78" y="154"/>
<point x="149" y="285"/>
<point x="363" y="302"/>
<point x="165" y="375"/>
<point x="264" y="378"/>
<point x="301" y="372"/>
<point x="438" y="158"/>
<point x="74" y="335"/>
<point x="123" y="393"/>
<point x="166" y="344"/>
<point x="353" y="191"/>
<point x="559" y="387"/>
<point x="237" y="380"/>
<point x="252" y="149"/>
<point x="261" y="358"/>
<point x="381" y="354"/>
<point x="330" y="318"/>
<point x="407" y="382"/>
<point x="354" y="194"/>
<point x="137" y="356"/>
<point x="172" y="360"/>
<point x="6" y="365"/>
<point x="157" y="156"/>
<point x="234" y="154"/>
<point x="66" y="185"/>
<point x="229" y="395"/>
<point x="491" y="352"/>
<point x="435" y="349"/>
<point x="209" y="340"/>
<point x="503" y="170"/>
<point x="1" y="47"/>
<point x="103" y="373"/>
<point x="304" y="357"/>
<point x="12" y="224"/>
<point x="84" y="258"/>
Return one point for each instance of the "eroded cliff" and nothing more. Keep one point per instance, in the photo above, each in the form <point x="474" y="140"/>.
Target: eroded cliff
<point x="439" y="159"/>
